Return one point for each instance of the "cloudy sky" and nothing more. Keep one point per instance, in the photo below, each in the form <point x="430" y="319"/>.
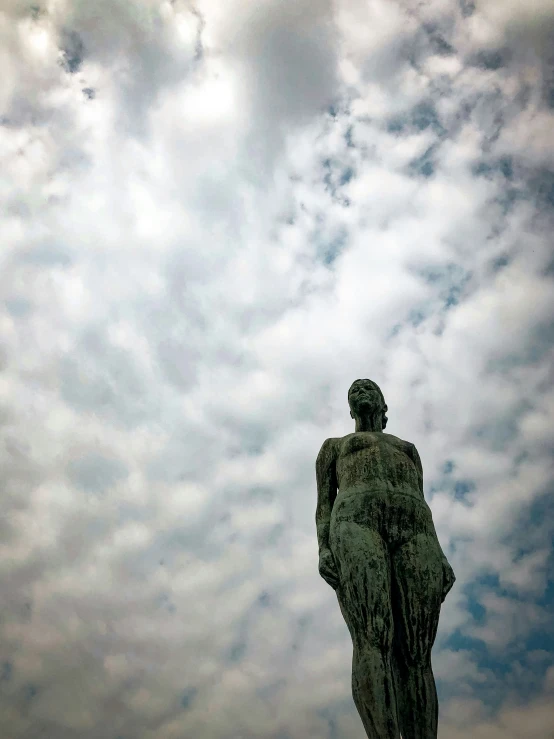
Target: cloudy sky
<point x="215" y="216"/>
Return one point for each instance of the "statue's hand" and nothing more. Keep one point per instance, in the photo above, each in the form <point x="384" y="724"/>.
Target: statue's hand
<point x="449" y="578"/>
<point x="328" y="569"/>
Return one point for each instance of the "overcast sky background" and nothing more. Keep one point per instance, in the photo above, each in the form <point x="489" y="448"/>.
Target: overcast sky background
<point x="216" y="216"/>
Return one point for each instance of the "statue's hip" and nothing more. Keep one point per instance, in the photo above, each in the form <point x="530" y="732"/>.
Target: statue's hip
<point x="397" y="516"/>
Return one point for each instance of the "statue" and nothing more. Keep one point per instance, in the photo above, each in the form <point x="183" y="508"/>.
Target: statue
<point x="378" y="549"/>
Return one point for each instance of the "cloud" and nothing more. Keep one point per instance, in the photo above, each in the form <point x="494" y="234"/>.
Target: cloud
<point x="253" y="207"/>
<point x="533" y="720"/>
<point x="521" y="24"/>
<point x="286" y="60"/>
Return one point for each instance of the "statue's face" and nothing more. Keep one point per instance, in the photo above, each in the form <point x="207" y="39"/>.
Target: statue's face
<point x="364" y="397"/>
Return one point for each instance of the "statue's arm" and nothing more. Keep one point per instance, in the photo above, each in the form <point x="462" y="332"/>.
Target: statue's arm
<point x="449" y="577"/>
<point x="326" y="477"/>
<point x="419" y="467"/>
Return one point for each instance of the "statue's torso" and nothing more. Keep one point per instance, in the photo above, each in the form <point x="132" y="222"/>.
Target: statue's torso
<point x="375" y="462"/>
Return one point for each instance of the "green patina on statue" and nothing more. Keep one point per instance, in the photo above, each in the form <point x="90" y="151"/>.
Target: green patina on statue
<point x="378" y="549"/>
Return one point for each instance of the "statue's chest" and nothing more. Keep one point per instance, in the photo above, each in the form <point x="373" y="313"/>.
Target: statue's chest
<point x="370" y="443"/>
<point x="369" y="454"/>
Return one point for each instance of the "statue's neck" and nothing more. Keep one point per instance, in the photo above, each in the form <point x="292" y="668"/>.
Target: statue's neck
<point x="370" y="423"/>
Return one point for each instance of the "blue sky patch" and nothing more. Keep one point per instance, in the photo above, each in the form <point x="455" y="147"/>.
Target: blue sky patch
<point x="493" y="59"/>
<point x="423" y="166"/>
<point x="96" y="473"/>
<point x="439" y="44"/>
<point x="6" y="672"/>
<point x="19" y="307"/>
<point x="30" y="691"/>
<point x="330" y="251"/>
<point x="48" y="254"/>
<point x="264" y="599"/>
<point x="424" y="115"/>
<point x="462" y="490"/>
<point x="237" y="652"/>
<point x="187" y="698"/>
<point x="73" y="51"/>
<point x="467" y="7"/>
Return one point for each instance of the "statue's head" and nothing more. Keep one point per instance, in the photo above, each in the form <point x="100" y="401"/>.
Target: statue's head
<point x="366" y="399"/>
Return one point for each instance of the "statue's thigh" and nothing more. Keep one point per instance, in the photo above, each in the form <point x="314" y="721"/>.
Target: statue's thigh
<point x="417" y="578"/>
<point x="365" y="583"/>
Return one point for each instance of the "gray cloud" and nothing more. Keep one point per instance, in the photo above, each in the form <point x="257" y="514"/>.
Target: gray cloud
<point x="96" y="473"/>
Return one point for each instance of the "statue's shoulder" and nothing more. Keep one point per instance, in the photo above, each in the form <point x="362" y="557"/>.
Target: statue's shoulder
<point x="392" y="439"/>
<point x="396" y="441"/>
<point x="406" y="446"/>
<point x="328" y="451"/>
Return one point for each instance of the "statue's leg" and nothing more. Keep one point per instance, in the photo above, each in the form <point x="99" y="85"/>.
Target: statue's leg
<point x="365" y="602"/>
<point x="417" y="579"/>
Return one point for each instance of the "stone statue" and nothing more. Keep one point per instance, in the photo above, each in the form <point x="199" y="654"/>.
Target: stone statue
<point x="378" y="549"/>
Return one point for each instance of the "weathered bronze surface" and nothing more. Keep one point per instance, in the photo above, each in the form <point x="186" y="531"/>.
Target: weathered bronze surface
<point x="378" y="549"/>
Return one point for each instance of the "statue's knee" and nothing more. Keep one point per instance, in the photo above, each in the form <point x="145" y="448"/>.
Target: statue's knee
<point x="413" y="655"/>
<point x="379" y="634"/>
